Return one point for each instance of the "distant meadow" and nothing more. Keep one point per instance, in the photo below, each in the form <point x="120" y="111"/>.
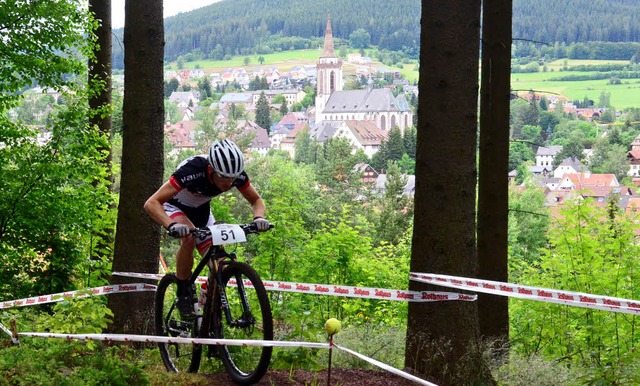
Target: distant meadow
<point x="624" y="95"/>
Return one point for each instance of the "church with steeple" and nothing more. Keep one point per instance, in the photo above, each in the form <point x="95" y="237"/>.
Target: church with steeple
<point x="369" y="104"/>
<point x="329" y="69"/>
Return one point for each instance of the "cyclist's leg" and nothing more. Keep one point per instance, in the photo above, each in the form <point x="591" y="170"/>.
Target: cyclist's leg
<point x="184" y="264"/>
<point x="203" y="244"/>
<point x="184" y="256"/>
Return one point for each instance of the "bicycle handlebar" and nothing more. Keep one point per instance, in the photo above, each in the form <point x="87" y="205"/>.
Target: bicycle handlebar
<point x="205" y="232"/>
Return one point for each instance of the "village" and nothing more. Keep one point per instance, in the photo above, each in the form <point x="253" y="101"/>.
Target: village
<point x="363" y="116"/>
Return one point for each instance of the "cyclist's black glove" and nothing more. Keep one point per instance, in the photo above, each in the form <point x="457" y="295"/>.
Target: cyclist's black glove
<point x="178" y="230"/>
<point x="262" y="224"/>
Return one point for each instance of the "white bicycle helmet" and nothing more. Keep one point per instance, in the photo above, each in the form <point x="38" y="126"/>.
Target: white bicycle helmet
<point x="226" y="158"/>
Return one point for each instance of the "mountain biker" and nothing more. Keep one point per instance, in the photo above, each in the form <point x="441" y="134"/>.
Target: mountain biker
<point x="183" y="203"/>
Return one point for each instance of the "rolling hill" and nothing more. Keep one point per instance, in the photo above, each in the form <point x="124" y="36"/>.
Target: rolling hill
<point x="241" y="27"/>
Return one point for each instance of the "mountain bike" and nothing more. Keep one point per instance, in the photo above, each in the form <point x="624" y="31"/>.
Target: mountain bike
<point x="233" y="304"/>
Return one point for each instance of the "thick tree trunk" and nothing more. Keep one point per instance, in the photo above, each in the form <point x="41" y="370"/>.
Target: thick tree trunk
<point x="137" y="244"/>
<point x="443" y="337"/>
<point x="493" y="194"/>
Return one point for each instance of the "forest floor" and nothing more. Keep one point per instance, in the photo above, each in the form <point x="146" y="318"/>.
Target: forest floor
<point x="339" y="377"/>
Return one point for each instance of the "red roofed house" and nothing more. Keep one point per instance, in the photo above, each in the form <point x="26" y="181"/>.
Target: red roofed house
<point x="290" y="120"/>
<point x="583" y="181"/>
<point x="599" y="187"/>
<point x="181" y="134"/>
<point x="288" y="143"/>
<point x="363" y="135"/>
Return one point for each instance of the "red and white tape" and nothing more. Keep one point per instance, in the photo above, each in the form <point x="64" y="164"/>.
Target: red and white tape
<point x="104" y="290"/>
<point x="339" y="290"/>
<point x="220" y="342"/>
<point x="577" y="299"/>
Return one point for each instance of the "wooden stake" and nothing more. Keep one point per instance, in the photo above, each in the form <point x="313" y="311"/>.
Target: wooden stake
<point x="14" y="331"/>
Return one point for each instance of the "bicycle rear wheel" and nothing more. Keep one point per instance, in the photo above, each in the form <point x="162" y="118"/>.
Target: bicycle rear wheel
<point x="251" y="320"/>
<point x="177" y="357"/>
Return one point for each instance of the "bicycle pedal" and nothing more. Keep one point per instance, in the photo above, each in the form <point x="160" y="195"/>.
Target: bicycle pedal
<point x="212" y="352"/>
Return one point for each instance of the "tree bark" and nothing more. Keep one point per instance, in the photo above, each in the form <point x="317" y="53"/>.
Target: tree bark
<point x="493" y="190"/>
<point x="100" y="67"/>
<point x="99" y="105"/>
<point x="137" y="243"/>
<point x="443" y="338"/>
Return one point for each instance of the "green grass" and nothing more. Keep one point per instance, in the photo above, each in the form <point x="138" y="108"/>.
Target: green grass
<point x="281" y="60"/>
<point x="557" y="64"/>
<point x="409" y="72"/>
<point x="623" y="95"/>
<point x="284" y="61"/>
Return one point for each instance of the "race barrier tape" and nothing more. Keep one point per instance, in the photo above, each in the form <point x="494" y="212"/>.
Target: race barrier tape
<point x="338" y="290"/>
<point x="384" y="366"/>
<point x="220" y="342"/>
<point x="578" y="299"/>
<point x="58" y="297"/>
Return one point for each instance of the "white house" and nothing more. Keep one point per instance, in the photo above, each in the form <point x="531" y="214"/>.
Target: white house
<point x="363" y="135"/>
<point x="546" y="154"/>
<point x="185" y="98"/>
<point x="570" y="165"/>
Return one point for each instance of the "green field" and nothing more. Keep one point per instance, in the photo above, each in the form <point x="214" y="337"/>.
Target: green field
<point x="623" y="95"/>
<point x="283" y="61"/>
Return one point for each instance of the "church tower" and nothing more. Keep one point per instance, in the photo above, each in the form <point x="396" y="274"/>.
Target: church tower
<point x="329" y="72"/>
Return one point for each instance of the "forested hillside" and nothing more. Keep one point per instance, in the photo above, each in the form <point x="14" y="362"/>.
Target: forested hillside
<point x="242" y="27"/>
<point x="577" y="21"/>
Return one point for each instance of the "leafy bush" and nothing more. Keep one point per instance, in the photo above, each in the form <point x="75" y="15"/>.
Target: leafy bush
<point x="77" y="316"/>
<point x="592" y="250"/>
<point x="55" y="362"/>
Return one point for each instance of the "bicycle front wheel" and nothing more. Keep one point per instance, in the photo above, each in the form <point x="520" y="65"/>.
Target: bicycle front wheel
<point x="251" y="319"/>
<point x="177" y="357"/>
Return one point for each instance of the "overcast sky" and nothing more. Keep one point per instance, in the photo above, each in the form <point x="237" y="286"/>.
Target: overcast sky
<point x="171" y="7"/>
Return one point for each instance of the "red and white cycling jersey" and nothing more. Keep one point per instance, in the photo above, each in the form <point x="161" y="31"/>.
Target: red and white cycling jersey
<point x="195" y="190"/>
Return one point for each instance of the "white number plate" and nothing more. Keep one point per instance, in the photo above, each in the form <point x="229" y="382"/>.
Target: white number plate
<point x="227" y="234"/>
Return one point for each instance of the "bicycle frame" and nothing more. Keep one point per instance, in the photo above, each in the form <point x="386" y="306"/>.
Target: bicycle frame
<point x="210" y="259"/>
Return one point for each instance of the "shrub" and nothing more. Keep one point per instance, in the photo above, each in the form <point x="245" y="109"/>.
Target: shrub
<point x="55" y="362"/>
<point x="526" y="371"/>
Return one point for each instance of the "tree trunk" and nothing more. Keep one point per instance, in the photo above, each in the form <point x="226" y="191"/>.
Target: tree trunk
<point x="137" y="244"/>
<point x="443" y="338"/>
<point x="100" y="67"/>
<point x="99" y="105"/>
<point x="493" y="191"/>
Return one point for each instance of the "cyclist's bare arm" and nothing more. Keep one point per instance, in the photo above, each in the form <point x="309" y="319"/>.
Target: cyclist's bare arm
<point x="254" y="198"/>
<point x="154" y="208"/>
